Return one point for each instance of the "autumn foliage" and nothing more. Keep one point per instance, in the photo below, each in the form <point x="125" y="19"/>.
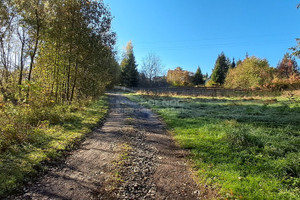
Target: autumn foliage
<point x="251" y="73"/>
<point x="179" y="77"/>
<point x="287" y="74"/>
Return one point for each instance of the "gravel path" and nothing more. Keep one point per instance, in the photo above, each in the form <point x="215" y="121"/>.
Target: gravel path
<point x="130" y="157"/>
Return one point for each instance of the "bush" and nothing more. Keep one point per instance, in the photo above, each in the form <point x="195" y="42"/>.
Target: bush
<point x="210" y="83"/>
<point x="12" y="133"/>
<point x="292" y="83"/>
<point x="179" y="77"/>
<point x="18" y="123"/>
<point x="251" y="73"/>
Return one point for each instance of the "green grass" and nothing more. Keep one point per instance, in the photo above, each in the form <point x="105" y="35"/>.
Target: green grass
<point x="46" y="134"/>
<point x="248" y="148"/>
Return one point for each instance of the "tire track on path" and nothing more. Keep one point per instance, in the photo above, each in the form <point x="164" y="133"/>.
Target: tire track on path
<point x="152" y="168"/>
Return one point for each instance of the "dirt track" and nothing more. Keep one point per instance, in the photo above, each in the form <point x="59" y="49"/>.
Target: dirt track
<point x="130" y="157"/>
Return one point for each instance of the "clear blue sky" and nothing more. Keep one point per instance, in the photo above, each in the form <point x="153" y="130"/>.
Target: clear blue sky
<point x="191" y="33"/>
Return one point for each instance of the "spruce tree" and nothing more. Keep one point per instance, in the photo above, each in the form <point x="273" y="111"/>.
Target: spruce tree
<point x="129" y="74"/>
<point x="206" y="76"/>
<point x="221" y="68"/>
<point x="233" y="64"/>
<point x="198" y="77"/>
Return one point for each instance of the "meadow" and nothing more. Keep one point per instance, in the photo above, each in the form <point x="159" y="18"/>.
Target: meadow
<point x="32" y="136"/>
<point x="247" y="147"/>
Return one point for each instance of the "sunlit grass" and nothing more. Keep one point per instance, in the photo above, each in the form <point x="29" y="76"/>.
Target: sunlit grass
<point x="45" y="141"/>
<point x="248" y="147"/>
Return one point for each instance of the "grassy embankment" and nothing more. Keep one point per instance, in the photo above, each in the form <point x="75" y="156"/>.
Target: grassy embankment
<point x="32" y="135"/>
<point x="247" y="147"/>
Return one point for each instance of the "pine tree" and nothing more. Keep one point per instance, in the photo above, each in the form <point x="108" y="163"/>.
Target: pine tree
<point x="198" y="77"/>
<point x="233" y="64"/>
<point x="129" y="68"/>
<point x="221" y="68"/>
<point x="206" y="76"/>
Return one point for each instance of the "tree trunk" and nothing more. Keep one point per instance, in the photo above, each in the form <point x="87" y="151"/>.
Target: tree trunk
<point x="32" y="56"/>
<point x="22" y="40"/>
<point x="74" y="83"/>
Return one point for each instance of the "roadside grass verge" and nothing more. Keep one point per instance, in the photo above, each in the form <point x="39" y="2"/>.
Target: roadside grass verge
<point x="31" y="136"/>
<point x="247" y="147"/>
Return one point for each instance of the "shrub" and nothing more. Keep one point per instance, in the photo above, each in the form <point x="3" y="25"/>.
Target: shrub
<point x="251" y="73"/>
<point x="17" y="123"/>
<point x="12" y="133"/>
<point x="179" y="77"/>
<point x="288" y="67"/>
<point x="291" y="83"/>
<point x="210" y="83"/>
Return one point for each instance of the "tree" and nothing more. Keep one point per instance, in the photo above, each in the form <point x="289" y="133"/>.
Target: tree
<point x="233" y="65"/>
<point x="143" y="80"/>
<point x="6" y="45"/>
<point x="22" y="36"/>
<point x="205" y="77"/>
<point x="198" y="77"/>
<point x="32" y="15"/>
<point x="62" y="48"/>
<point x="296" y="49"/>
<point x="151" y="67"/>
<point x="179" y="77"/>
<point x="238" y="62"/>
<point x="251" y="73"/>
<point x="220" y="70"/>
<point x="287" y="67"/>
<point x="130" y="74"/>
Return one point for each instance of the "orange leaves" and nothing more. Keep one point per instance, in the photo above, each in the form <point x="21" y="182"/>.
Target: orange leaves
<point x="179" y="77"/>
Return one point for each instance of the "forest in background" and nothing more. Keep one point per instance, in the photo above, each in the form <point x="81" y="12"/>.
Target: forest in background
<point x="251" y="73"/>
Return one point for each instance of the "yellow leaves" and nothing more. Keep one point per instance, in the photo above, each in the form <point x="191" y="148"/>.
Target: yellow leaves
<point x="2" y="105"/>
<point x="251" y="73"/>
<point x="178" y="77"/>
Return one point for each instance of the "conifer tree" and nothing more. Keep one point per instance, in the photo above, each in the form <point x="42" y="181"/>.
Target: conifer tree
<point x="198" y="77"/>
<point x="129" y="68"/>
<point x="233" y="64"/>
<point x="221" y="68"/>
<point x="206" y="76"/>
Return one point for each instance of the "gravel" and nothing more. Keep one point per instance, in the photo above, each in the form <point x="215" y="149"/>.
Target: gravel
<point x="154" y="166"/>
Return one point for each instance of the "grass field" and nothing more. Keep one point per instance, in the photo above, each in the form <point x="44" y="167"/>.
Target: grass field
<point x="247" y="147"/>
<point x="32" y="136"/>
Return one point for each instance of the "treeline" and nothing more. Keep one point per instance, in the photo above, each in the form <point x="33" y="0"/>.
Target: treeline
<point x="149" y="75"/>
<point x="180" y="77"/>
<point x="256" y="73"/>
<point x="55" y="51"/>
<point x="250" y="73"/>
